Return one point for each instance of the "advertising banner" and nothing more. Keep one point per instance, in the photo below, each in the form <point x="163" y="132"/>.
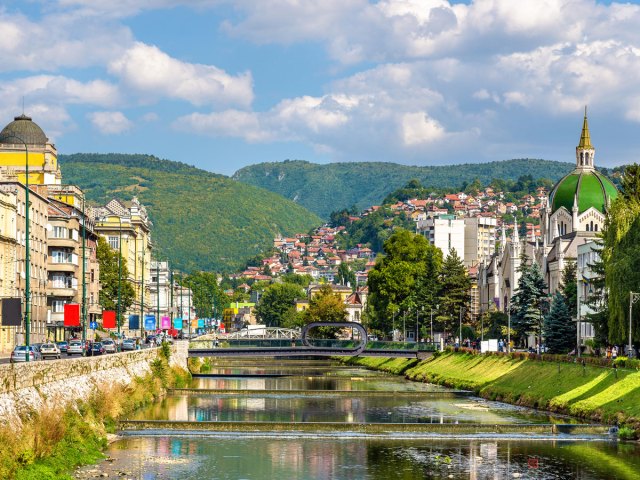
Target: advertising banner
<point x="71" y="315"/>
<point x="109" y="319"/>
<point x="11" y="312"/>
<point x="165" y="322"/>
<point x="194" y="323"/>
<point x="134" y="322"/>
<point x="201" y="323"/>
<point x="149" y="322"/>
<point x="177" y="323"/>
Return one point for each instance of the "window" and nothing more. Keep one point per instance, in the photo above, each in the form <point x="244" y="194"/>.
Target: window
<point x="60" y="232"/>
<point x="57" y="306"/>
<point x="60" y="256"/>
<point x="114" y="242"/>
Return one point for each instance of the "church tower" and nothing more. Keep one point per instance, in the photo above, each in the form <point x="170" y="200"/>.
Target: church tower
<point x="585" y="151"/>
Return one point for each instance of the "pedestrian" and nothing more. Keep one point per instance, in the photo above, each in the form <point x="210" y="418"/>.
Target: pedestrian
<point x="614" y="352"/>
<point x="500" y="345"/>
<point x="608" y="352"/>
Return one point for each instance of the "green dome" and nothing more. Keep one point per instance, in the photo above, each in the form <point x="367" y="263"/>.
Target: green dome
<point x="591" y="187"/>
<point x="23" y="129"/>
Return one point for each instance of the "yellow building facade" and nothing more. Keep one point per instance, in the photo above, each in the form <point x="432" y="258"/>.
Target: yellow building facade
<point x="126" y="228"/>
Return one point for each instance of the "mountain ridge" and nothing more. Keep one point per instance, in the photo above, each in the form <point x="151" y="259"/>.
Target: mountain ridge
<point x="202" y="220"/>
<point x="367" y="183"/>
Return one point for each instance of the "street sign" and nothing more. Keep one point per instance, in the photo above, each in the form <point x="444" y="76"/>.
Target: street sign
<point x="93" y="325"/>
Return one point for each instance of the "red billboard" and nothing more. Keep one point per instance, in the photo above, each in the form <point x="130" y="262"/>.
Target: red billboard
<point x="109" y="319"/>
<point x="71" y="315"/>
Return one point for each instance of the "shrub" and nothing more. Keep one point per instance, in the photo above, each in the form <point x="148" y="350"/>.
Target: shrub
<point x="627" y="433"/>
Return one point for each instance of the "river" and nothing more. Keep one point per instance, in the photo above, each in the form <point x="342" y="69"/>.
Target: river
<point x="290" y="393"/>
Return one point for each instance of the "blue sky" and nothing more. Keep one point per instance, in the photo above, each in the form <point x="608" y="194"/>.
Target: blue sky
<point x="222" y="84"/>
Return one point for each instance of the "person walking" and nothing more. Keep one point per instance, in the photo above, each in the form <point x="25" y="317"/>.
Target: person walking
<point x="614" y="352"/>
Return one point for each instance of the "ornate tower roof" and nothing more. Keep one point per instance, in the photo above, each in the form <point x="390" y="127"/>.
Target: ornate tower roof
<point x="585" y="187"/>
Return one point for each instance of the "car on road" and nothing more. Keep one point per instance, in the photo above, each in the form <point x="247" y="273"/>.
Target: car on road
<point x="63" y="346"/>
<point x="109" y="346"/>
<point x="19" y="354"/>
<point x="76" y="347"/>
<point x="96" y="348"/>
<point x="128" y="344"/>
<point x="49" y="350"/>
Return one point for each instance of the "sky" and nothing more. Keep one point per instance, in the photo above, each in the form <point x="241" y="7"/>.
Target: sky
<point x="222" y="84"/>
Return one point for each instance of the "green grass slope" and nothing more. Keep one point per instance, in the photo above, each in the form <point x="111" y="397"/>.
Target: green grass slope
<point x="594" y="393"/>
<point x="200" y="220"/>
<point x="330" y="187"/>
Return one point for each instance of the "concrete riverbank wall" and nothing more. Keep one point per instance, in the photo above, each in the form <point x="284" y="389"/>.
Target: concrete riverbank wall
<point x="33" y="386"/>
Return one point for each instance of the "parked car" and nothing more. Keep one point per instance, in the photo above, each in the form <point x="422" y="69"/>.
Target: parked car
<point x="49" y="350"/>
<point x="96" y="349"/>
<point x="151" y="339"/>
<point x="63" y="346"/>
<point x="19" y="354"/>
<point x="109" y="346"/>
<point x="76" y="347"/>
<point x="128" y="344"/>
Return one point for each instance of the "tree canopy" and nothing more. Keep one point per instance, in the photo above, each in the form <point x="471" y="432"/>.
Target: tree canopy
<point x="113" y="279"/>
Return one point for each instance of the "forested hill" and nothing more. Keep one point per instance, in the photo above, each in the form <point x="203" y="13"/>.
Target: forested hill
<point x="331" y="187"/>
<point x="200" y="220"/>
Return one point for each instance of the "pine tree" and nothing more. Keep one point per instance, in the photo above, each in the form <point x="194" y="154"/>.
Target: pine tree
<point x="559" y="328"/>
<point x="527" y="303"/>
<point x="597" y="299"/>
<point x="455" y="287"/>
<point x="569" y="287"/>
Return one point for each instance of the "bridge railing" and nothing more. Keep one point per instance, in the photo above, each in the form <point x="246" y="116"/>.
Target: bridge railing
<point x="320" y="343"/>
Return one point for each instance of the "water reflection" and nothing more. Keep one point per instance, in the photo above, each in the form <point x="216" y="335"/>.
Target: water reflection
<point x="352" y="409"/>
<point x="258" y="458"/>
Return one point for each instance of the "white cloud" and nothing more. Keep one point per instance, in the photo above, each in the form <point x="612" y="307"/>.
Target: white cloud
<point x="151" y="72"/>
<point x="110" y="123"/>
<point x="418" y="128"/>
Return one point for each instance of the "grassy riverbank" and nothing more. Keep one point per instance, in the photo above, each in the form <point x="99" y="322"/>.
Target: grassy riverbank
<point x="51" y="442"/>
<point x="590" y="392"/>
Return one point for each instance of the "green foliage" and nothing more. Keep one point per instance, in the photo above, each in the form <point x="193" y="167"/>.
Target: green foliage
<point x="331" y="187"/>
<point x="597" y="299"/>
<point x="374" y="229"/>
<point x="527" y="303"/>
<point x="621" y="257"/>
<point x="559" y="328"/>
<point x="202" y="221"/>
<point x="277" y="303"/>
<point x="455" y="288"/>
<point x="569" y="288"/>
<point x="325" y="306"/>
<point x="208" y="297"/>
<point x="405" y="279"/>
<point x="627" y="433"/>
<point x="113" y="279"/>
<point x="346" y="275"/>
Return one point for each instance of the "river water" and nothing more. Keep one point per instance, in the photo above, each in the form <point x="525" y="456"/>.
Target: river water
<point x="290" y="392"/>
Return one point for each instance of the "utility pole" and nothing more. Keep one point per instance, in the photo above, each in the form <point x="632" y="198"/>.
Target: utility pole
<point x="189" y="310"/>
<point x="142" y="292"/>
<point x="633" y="298"/>
<point x="84" y="274"/>
<point x="171" y="298"/>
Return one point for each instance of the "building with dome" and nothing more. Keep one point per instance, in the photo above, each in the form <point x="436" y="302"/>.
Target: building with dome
<point x="571" y="218"/>
<point x="42" y="154"/>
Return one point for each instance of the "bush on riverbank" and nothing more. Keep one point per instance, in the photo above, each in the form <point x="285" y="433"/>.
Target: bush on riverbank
<point x="53" y="441"/>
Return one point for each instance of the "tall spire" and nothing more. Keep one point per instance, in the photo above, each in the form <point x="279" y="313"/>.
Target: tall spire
<point x="585" y="151"/>
<point x="585" y="137"/>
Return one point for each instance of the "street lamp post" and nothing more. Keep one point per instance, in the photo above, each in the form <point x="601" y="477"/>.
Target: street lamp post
<point x="84" y="275"/>
<point x="158" y="294"/>
<point x="119" y="320"/>
<point x="633" y="298"/>
<point x="432" y="340"/>
<point x="460" y="337"/>
<point x="27" y="255"/>
<point x="417" y="326"/>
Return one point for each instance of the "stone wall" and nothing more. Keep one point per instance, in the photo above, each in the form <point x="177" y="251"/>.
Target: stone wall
<point x="31" y="386"/>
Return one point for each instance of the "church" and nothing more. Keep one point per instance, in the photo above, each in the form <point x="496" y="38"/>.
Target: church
<point x="572" y="216"/>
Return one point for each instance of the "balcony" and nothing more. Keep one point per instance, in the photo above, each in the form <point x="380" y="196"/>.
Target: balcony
<point x="61" y="267"/>
<point x="62" y="242"/>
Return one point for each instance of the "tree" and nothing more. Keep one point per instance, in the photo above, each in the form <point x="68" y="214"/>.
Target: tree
<point x="455" y="286"/>
<point x="392" y="282"/>
<point x="621" y="256"/>
<point x="276" y="303"/>
<point x="346" y="276"/>
<point x="527" y="302"/>
<point x="208" y="297"/>
<point x="569" y="287"/>
<point x="559" y="328"/>
<point x="326" y="306"/>
<point x="597" y="298"/>
<point x="113" y="278"/>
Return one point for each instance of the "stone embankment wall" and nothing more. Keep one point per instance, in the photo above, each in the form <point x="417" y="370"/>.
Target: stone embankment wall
<point x="33" y="386"/>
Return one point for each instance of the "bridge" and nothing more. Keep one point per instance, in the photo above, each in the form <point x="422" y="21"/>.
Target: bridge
<point x="268" y="344"/>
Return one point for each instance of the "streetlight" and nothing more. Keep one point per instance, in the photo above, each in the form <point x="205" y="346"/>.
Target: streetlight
<point x="633" y="298"/>
<point x="460" y="337"/>
<point x="27" y="255"/>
